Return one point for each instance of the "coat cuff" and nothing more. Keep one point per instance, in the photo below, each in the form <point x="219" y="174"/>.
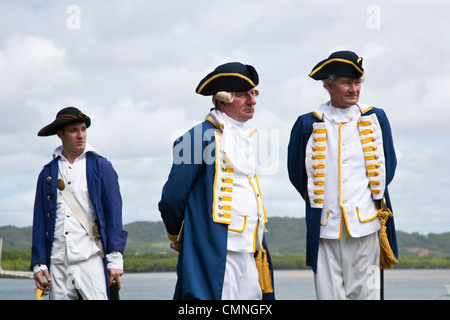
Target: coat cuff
<point x="178" y="237"/>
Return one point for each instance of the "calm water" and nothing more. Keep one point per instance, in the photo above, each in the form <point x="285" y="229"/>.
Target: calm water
<point x="289" y="285"/>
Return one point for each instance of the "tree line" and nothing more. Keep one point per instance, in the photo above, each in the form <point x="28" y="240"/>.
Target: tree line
<point x="19" y="260"/>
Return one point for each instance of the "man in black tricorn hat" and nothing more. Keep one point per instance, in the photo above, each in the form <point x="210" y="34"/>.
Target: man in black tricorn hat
<point x="341" y="159"/>
<point x="211" y="204"/>
<point x="78" y="238"/>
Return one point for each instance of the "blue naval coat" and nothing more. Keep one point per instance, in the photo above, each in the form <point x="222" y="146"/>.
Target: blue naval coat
<point x="104" y="194"/>
<point x="300" y="135"/>
<point x="186" y="209"/>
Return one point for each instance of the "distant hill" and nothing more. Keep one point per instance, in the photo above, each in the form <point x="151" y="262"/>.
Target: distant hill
<point x="284" y="236"/>
<point x="15" y="238"/>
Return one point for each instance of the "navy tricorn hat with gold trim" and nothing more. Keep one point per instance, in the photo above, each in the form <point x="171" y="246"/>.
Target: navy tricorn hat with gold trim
<point x="340" y="63"/>
<point x="229" y="77"/>
<point x="64" y="117"/>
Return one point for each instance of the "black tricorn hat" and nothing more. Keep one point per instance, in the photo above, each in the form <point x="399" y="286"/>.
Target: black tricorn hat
<point x="229" y="77"/>
<point x="64" y="117"/>
<point x="340" y="63"/>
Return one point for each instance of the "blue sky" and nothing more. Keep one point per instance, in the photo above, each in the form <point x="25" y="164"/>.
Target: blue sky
<point x="133" y="67"/>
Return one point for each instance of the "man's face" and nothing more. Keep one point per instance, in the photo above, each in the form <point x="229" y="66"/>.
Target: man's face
<point x="73" y="137"/>
<point x="243" y="106"/>
<point x="345" y="92"/>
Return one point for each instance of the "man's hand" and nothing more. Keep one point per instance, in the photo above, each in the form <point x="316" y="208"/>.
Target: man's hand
<point x="114" y="275"/>
<point x="43" y="281"/>
<point x="176" y="246"/>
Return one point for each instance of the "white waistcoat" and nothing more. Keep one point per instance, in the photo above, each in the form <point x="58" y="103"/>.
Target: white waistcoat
<point x="237" y="197"/>
<point x="346" y="170"/>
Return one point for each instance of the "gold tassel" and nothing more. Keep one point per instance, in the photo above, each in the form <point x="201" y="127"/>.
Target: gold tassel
<point x="262" y="264"/>
<point x="387" y="258"/>
<point x="39" y="294"/>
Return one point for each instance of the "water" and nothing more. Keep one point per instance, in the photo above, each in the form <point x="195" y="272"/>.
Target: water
<point x="289" y="285"/>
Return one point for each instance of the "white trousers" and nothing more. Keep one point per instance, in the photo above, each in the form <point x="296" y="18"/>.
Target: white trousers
<point x="241" y="281"/>
<point x="85" y="279"/>
<point x="348" y="268"/>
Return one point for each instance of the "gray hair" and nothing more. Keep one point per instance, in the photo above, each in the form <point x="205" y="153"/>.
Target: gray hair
<point x="332" y="80"/>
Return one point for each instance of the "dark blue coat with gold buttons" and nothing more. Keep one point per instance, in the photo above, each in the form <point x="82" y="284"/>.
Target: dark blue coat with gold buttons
<point x="186" y="208"/>
<point x="104" y="194"/>
<point x="300" y="135"/>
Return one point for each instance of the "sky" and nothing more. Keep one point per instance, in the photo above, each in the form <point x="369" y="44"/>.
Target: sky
<point x="133" y="66"/>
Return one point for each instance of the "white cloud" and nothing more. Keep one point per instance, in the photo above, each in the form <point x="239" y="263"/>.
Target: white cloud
<point x="32" y="65"/>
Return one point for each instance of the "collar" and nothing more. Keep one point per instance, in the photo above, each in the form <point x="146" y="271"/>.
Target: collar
<point x="327" y="110"/>
<point x="236" y="141"/>
<point x="221" y="121"/>
<point x="87" y="148"/>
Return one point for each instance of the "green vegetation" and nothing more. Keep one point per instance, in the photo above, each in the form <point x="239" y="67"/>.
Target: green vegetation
<point x="150" y="262"/>
<point x="164" y="262"/>
<point x="17" y="260"/>
<point x="423" y="263"/>
<point x="148" y="248"/>
<point x="289" y="262"/>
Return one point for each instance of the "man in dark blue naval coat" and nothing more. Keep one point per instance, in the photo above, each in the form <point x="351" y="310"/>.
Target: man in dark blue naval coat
<point x="60" y="242"/>
<point x="341" y="159"/>
<point x="200" y="200"/>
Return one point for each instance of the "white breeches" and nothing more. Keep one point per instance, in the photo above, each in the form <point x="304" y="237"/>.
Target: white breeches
<point x="348" y="268"/>
<point x="85" y="278"/>
<point x="241" y="277"/>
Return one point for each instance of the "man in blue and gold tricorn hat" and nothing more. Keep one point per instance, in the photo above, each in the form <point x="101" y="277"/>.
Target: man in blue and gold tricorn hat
<point x="341" y="159"/>
<point x="229" y="77"/>
<point x="341" y="63"/>
<point x="211" y="203"/>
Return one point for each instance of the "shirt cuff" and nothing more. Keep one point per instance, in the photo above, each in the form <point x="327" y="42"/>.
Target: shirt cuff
<point x="38" y="267"/>
<point x="114" y="260"/>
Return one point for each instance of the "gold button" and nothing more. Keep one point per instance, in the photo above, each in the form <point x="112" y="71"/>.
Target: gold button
<point x="48" y="214"/>
<point x="221" y="214"/>
<point x="345" y="181"/>
<point x="220" y="197"/>
<point x="48" y="197"/>
<point x="49" y="178"/>
<point x="344" y="202"/>
<point x="220" y="206"/>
